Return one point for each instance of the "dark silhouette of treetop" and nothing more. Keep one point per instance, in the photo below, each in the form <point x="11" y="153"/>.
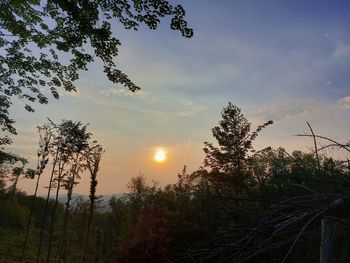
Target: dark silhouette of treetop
<point x="35" y="34"/>
<point x="234" y="138"/>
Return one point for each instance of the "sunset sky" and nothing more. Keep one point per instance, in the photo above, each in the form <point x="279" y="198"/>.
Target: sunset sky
<point x="288" y="61"/>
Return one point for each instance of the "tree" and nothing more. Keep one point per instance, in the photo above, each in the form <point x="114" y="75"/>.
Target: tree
<point x="138" y="194"/>
<point x="75" y="144"/>
<point x="43" y="155"/>
<point x="68" y="144"/>
<point x="227" y="162"/>
<point x="9" y="171"/>
<point x="34" y="35"/>
<point x="93" y="158"/>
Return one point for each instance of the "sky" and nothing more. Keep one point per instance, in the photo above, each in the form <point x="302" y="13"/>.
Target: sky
<point x="286" y="61"/>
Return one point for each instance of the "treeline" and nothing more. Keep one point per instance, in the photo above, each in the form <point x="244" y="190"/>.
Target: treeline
<point x="243" y="205"/>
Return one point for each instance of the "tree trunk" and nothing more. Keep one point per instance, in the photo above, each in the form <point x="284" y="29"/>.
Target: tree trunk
<point x="29" y="223"/>
<point x="46" y="207"/>
<point x="63" y="243"/>
<point x="59" y="178"/>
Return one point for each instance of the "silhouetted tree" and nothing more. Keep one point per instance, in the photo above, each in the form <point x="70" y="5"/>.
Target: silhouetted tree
<point x="79" y="141"/>
<point x="55" y="152"/>
<point x="93" y="158"/>
<point x="11" y="168"/>
<point x="137" y="196"/>
<point x="69" y="138"/>
<point x="43" y="154"/>
<point x="228" y="161"/>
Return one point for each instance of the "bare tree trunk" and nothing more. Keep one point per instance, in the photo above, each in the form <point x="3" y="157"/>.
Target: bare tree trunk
<point x="88" y="229"/>
<point x="93" y="161"/>
<point x="63" y="242"/>
<point x="327" y="233"/>
<point x="59" y="178"/>
<point x="43" y="158"/>
<point x="93" y="185"/>
<point x="46" y="206"/>
<point x="30" y="219"/>
<point x="71" y="181"/>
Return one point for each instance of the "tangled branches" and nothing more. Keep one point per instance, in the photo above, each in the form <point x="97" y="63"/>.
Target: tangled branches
<point x="287" y="227"/>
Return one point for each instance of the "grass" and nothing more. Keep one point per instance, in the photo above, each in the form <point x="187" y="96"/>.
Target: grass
<point x="11" y="244"/>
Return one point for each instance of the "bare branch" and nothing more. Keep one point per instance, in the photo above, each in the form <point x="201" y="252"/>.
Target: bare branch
<point x="315" y="144"/>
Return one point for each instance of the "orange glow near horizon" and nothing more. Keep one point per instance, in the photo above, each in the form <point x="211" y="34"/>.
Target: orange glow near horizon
<point x="160" y="156"/>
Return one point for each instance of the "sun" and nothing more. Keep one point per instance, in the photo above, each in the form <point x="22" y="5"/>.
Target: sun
<point x="160" y="155"/>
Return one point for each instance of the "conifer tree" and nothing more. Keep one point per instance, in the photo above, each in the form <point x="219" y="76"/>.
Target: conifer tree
<point x="234" y="137"/>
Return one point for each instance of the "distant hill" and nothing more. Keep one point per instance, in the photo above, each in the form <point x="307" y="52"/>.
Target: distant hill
<point x="103" y="202"/>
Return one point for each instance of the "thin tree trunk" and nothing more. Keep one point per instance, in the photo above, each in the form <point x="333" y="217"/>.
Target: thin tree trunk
<point x="45" y="208"/>
<point x="62" y="247"/>
<point x="43" y="158"/>
<point x="92" y="201"/>
<point x="93" y="162"/>
<point x="30" y="218"/>
<point x="60" y="170"/>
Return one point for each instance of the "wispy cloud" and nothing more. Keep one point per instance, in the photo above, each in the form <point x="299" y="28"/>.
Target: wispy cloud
<point x="151" y="104"/>
<point x="341" y="51"/>
<point x="187" y="108"/>
<point x="289" y="108"/>
<point x="125" y="93"/>
<point x="64" y="93"/>
<point x="344" y="103"/>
